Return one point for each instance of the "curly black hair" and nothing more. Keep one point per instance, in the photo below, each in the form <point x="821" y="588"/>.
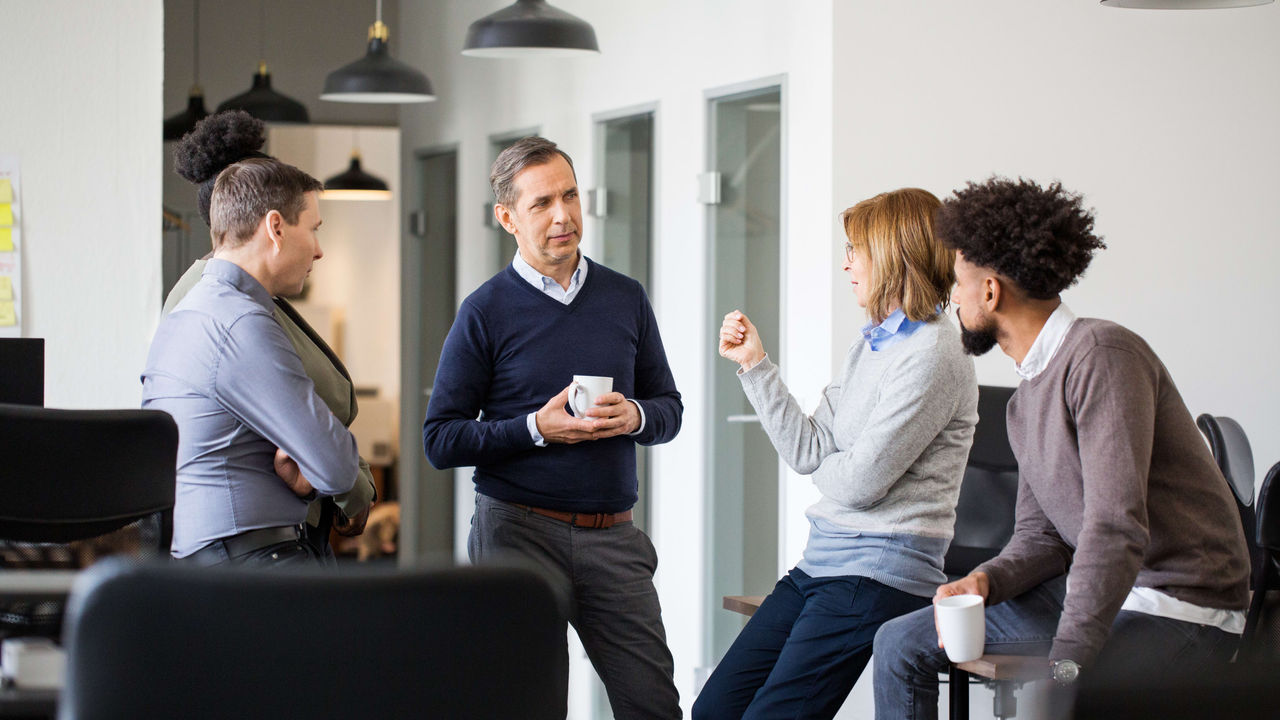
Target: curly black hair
<point x="216" y="142"/>
<point x="1040" y="238"/>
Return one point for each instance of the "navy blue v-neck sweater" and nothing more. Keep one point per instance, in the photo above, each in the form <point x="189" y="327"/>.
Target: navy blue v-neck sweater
<point x="510" y="350"/>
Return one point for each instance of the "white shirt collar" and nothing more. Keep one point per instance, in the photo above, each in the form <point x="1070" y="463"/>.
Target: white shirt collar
<point x="547" y="284"/>
<point x="1047" y="342"/>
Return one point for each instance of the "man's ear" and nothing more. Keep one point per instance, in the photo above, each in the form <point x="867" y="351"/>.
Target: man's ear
<point x="275" y="228"/>
<point x="992" y="293"/>
<point x="503" y="216"/>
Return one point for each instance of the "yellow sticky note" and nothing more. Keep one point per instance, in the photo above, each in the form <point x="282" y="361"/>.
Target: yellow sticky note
<point x="7" y="316"/>
<point x="6" y="287"/>
<point x="6" y="190"/>
<point x="6" y="214"/>
<point x="6" y="239"/>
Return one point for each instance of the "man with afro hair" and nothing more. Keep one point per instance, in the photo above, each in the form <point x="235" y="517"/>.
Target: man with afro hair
<point x="1127" y="549"/>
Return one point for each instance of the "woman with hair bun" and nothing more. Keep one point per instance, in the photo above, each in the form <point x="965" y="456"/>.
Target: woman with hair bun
<point x="215" y="143"/>
<point x="886" y="447"/>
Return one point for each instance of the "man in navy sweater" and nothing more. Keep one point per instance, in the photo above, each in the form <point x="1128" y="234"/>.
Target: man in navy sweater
<point x="554" y="489"/>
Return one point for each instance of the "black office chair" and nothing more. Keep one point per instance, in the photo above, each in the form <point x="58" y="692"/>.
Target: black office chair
<point x="70" y="476"/>
<point x="1231" y="450"/>
<point x="989" y="491"/>
<point x="171" y="641"/>
<point x="1261" y="639"/>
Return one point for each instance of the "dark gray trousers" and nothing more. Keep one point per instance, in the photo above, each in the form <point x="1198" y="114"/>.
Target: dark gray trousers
<point x="608" y="576"/>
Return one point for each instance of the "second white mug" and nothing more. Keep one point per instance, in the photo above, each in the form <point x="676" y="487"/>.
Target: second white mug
<point x="584" y="391"/>
<point x="962" y="626"/>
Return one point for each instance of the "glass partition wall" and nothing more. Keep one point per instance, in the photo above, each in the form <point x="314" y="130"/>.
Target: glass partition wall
<point x="743" y="192"/>
<point x="623" y="204"/>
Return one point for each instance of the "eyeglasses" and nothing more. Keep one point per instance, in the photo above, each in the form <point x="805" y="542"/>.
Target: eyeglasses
<point x="848" y="251"/>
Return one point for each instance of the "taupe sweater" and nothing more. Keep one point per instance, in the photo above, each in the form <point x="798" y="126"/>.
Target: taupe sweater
<point x="1117" y="485"/>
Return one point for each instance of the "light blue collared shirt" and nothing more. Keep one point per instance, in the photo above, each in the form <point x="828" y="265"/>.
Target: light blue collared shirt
<point x="893" y="330"/>
<point x="223" y="368"/>
<point x="553" y="289"/>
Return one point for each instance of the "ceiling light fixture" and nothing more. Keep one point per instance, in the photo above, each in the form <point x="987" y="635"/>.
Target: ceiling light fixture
<point x="530" y="27"/>
<point x="354" y="183"/>
<point x="175" y="126"/>
<point x="377" y="77"/>
<point x="1182" y="4"/>
<point x="260" y="100"/>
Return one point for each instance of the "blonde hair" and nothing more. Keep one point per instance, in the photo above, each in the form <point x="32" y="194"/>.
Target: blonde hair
<point x="910" y="268"/>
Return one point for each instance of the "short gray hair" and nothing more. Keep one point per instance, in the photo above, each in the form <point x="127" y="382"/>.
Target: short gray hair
<point x="247" y="190"/>
<point x="520" y="155"/>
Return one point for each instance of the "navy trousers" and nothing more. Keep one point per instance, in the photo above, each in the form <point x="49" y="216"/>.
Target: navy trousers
<point x="803" y="650"/>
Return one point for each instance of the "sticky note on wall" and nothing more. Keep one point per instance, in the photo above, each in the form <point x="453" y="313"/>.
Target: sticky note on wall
<point x="6" y="287"/>
<point x="8" y="318"/>
<point x="6" y="239"/>
<point x="6" y="215"/>
<point x="6" y="190"/>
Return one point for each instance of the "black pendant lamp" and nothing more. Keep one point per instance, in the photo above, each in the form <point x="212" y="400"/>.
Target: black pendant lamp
<point x="260" y="100"/>
<point x="530" y="27"/>
<point x="377" y="77"/>
<point x="175" y="126"/>
<point x="355" y="184"/>
<point x="1182" y="4"/>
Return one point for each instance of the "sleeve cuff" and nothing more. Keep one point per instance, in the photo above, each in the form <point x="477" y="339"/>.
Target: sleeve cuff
<point x="641" y="409"/>
<point x="531" y="421"/>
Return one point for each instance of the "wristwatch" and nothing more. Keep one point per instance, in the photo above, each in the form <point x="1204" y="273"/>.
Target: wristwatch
<point x="1064" y="672"/>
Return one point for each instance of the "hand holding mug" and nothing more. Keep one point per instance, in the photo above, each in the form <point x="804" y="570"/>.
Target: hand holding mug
<point x="557" y="426"/>
<point x="740" y="341"/>
<point x="959" y="616"/>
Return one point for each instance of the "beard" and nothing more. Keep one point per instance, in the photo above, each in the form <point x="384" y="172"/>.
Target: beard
<point x="977" y="341"/>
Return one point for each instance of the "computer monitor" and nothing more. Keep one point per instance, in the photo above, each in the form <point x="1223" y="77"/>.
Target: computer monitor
<point x="22" y="371"/>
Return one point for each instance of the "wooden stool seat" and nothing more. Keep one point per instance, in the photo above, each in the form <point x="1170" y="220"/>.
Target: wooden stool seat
<point x="745" y="604"/>
<point x="1004" y="673"/>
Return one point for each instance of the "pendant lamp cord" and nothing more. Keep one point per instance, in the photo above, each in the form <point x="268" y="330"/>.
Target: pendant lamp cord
<point x="195" y="43"/>
<point x="379" y="18"/>
<point x="262" y="30"/>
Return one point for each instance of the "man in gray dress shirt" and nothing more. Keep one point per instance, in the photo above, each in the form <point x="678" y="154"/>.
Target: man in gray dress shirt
<point x="256" y="442"/>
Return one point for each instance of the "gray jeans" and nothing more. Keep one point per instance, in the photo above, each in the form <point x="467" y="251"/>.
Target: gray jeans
<point x="608" y="576"/>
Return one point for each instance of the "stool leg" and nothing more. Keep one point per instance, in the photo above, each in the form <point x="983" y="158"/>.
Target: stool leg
<point x="1005" y="703"/>
<point x="958" y="680"/>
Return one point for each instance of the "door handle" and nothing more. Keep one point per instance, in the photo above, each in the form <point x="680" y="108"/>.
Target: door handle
<point x="743" y="419"/>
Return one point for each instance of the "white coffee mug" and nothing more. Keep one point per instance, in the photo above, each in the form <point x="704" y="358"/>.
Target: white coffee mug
<point x="962" y="626"/>
<point x="584" y="391"/>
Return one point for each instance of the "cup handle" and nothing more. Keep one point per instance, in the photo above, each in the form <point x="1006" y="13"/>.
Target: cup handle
<point x="576" y="389"/>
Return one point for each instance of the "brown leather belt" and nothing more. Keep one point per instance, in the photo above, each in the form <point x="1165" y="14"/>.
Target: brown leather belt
<point x="597" y="521"/>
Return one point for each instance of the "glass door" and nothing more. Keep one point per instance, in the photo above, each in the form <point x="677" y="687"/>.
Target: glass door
<point x="624" y="206"/>
<point x="429" y="283"/>
<point x="744" y="194"/>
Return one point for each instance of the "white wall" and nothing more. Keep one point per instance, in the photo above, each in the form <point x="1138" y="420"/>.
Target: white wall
<point x="81" y="87"/>
<point x="1164" y="120"/>
<point x="668" y="52"/>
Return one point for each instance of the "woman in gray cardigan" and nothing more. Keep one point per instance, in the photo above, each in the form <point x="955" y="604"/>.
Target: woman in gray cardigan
<point x="886" y="447"/>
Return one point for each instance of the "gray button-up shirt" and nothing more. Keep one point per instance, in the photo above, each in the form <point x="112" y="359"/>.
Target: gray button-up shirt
<point x="225" y="371"/>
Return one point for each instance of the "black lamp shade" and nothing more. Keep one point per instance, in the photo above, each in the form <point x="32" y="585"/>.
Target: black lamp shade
<point x="377" y="78"/>
<point x="529" y="27"/>
<point x="266" y="104"/>
<point x="355" y="184"/>
<point x="175" y="126"/>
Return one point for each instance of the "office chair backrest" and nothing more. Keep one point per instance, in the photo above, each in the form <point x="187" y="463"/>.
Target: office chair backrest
<point x="74" y="474"/>
<point x="988" y="494"/>
<point x="1231" y="450"/>
<point x="1261" y="639"/>
<point x="157" y="641"/>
